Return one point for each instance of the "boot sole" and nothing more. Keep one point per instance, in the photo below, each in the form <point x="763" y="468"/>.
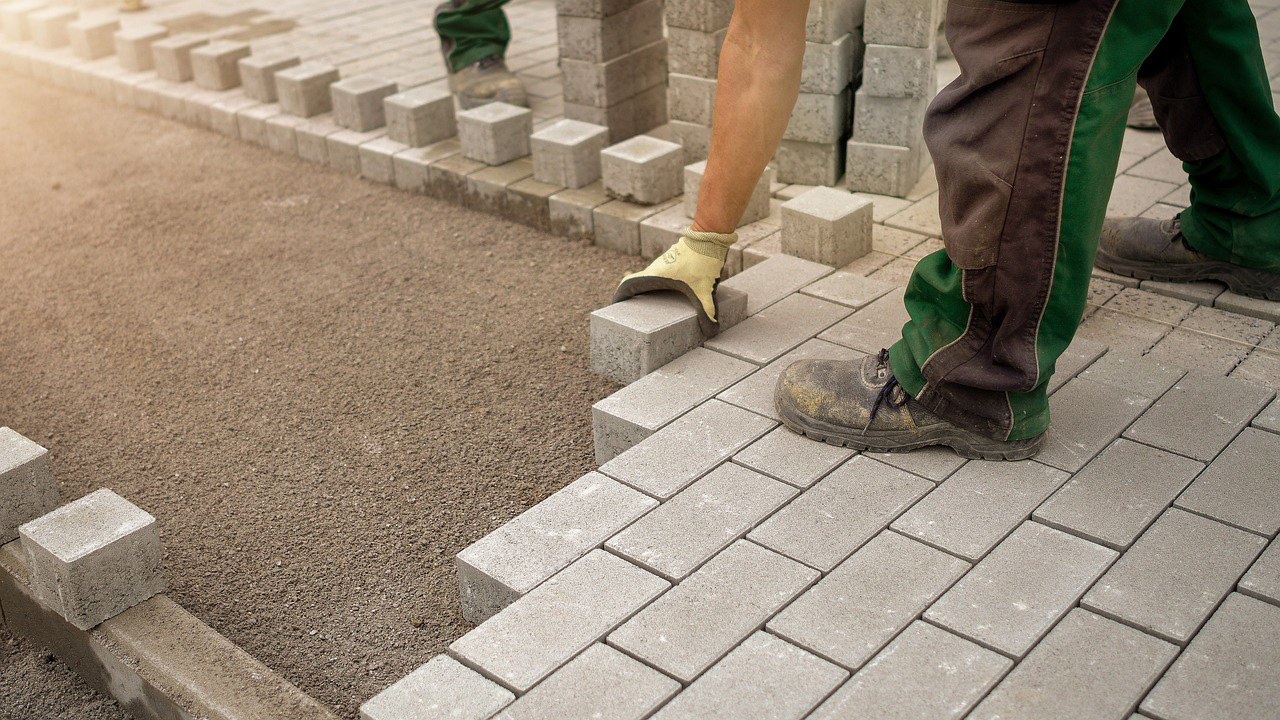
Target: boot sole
<point x="1241" y="280"/>
<point x="965" y="444"/>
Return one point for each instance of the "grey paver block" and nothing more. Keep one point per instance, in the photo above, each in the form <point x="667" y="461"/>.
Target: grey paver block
<point x="568" y="153"/>
<point x="774" y="279"/>
<point x="1269" y="418"/>
<point x="1021" y="589"/>
<point x="694" y="53"/>
<point x="377" y="159"/>
<point x="617" y="224"/>
<point x="769" y="334"/>
<point x="700" y="521"/>
<point x="700" y="620"/>
<point x="541" y="631"/>
<point x="344" y="149"/>
<point x="133" y="46"/>
<point x="979" y="505"/>
<point x="792" y="458"/>
<point x="602" y="684"/>
<point x="495" y="133"/>
<point x="643" y="170"/>
<point x="702" y="15"/>
<point x="810" y="163"/>
<point x="1086" y="668"/>
<point x="1086" y="417"/>
<point x="848" y="289"/>
<point x="1134" y="320"/>
<point x="1244" y="305"/>
<point x="875" y="326"/>
<point x="886" y="169"/>
<point x="829" y="67"/>
<point x="48" y="27"/>
<point x="93" y="558"/>
<point x="1210" y="339"/>
<point x="303" y="90"/>
<point x="216" y="66"/>
<point x="1133" y="374"/>
<point x="421" y="116"/>
<point x="28" y="488"/>
<point x="1202" y="293"/>
<point x="691" y="99"/>
<point x="757" y="207"/>
<point x="13" y="18"/>
<point x="924" y="673"/>
<point x="93" y="38"/>
<point x="1200" y="415"/>
<point x="358" y="102"/>
<point x="827" y="226"/>
<point x="828" y="20"/>
<point x="909" y="23"/>
<point x="765" y="676"/>
<point x="172" y="56"/>
<point x="897" y="71"/>
<point x="258" y="74"/>
<point x="1263" y="579"/>
<point x="1080" y="354"/>
<point x="755" y="393"/>
<point x="868" y="599"/>
<point x="1262" y="366"/>
<point x="1240" y="487"/>
<point x="1231" y="668"/>
<point x="819" y="118"/>
<point x="931" y="463"/>
<point x="1175" y="575"/>
<point x="670" y="459"/>
<point x="441" y="689"/>
<point x="841" y="512"/>
<point x="1119" y="493"/>
<point x="506" y="564"/>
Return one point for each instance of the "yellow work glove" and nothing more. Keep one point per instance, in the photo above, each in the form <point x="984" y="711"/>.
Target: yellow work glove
<point x="692" y="267"/>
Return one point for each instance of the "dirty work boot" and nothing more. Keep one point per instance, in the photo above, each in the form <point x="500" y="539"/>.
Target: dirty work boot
<point x="860" y="405"/>
<point x="486" y="81"/>
<point x="691" y="267"/>
<point x="1156" y="250"/>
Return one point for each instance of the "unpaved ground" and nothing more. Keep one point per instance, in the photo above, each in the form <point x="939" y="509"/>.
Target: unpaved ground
<point x="321" y="387"/>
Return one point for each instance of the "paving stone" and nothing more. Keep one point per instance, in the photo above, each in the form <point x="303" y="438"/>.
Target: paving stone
<point x="312" y="136"/>
<point x="377" y="160"/>
<point x="755" y="393"/>
<point x="1080" y="354"/>
<point x="1119" y="494"/>
<point x="868" y="599"/>
<point x="28" y="488"/>
<point x="691" y="99"/>
<point x="829" y="67"/>
<point x="1140" y="319"/>
<point x="133" y="46"/>
<point x="282" y="133"/>
<point x="593" y="8"/>
<point x="258" y="74"/>
<point x="1263" y="579"/>
<point x="700" y="620"/>
<point x="93" y="38"/>
<point x="1262" y="366"/>
<point x="672" y="458"/>
<point x="1021" y="589"/>
<point x="1268" y="310"/>
<point x="358" y="102"/>
<point x="172" y="56"/>
<point x="442" y="688"/>
<point x="848" y="289"/>
<point x="774" y="279"/>
<point x="1087" y="417"/>
<point x="701" y="15"/>
<point x="344" y="149"/>
<point x="765" y="676"/>
<point x="495" y="133"/>
<point x="819" y="118"/>
<point x="638" y="410"/>
<point x="694" y="53"/>
<point x="487" y="188"/>
<point x="1132" y="195"/>
<point x="898" y="71"/>
<point x="568" y="153"/>
<point x="1236" y="488"/>
<point x="913" y="23"/>
<point x="827" y="226"/>
<point x="980" y="505"/>
<point x="1100" y="291"/>
<point x="1269" y="419"/>
<point x="874" y="327"/>
<point x="931" y="463"/>
<point x="421" y="116"/>
<point x="1231" y="668"/>
<point x="633" y="338"/>
<point x="701" y="520"/>
<point x="792" y="458"/>
<point x="216" y="66"/>
<point x="1200" y="415"/>
<point x="223" y="119"/>
<point x="695" y="138"/>
<point x="840" y="513"/>
<point x="612" y="36"/>
<point x="538" y="633"/>
<point x="1086" y="668"/>
<point x="93" y="558"/>
<point x="642" y="170"/>
<point x="48" y="27"/>
<point x="303" y="90"/>
<point x="811" y="163"/>
<point x="528" y="202"/>
<point x="572" y="210"/>
<point x="767" y="335"/>
<point x="924" y="672"/>
<point x="1133" y="374"/>
<point x="1202" y="293"/>
<point x="660" y="231"/>
<point x="1210" y="339"/>
<point x="13" y="18"/>
<point x="1174" y="575"/>
<point x="757" y="207"/>
<point x="600" y="683"/>
<point x="617" y="224"/>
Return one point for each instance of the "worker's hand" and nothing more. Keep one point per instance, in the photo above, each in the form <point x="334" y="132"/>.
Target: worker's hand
<point x="691" y="266"/>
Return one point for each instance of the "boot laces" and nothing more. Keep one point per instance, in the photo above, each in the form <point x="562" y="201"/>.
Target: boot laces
<point x="891" y="393"/>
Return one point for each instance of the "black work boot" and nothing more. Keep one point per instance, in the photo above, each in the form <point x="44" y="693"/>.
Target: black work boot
<point x="1156" y="250"/>
<point x="862" y="406"/>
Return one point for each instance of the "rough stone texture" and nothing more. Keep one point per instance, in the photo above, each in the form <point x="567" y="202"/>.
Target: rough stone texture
<point x="1133" y="375"/>
<point x="1021" y="589"/>
<point x="421" y="116"/>
<point x="216" y="66"/>
<point x="93" y="38"/>
<point x="827" y="226"/>
<point x="600" y="683"/>
<point x="303" y="90"/>
<point x="1119" y="494"/>
<point x="1245" y="305"/>
<point x="810" y="163"/>
<point x="897" y="71"/>
<point x="599" y="39"/>
<point x="542" y="630"/>
<point x="774" y="279"/>
<point x="819" y="118"/>
<point x="506" y="564"/>
<point x="133" y="46"/>
<point x="1128" y="330"/>
<point x="980" y="505"/>
<point x="617" y="224"/>
<point x="1210" y="339"/>
<point x="1200" y="415"/>
<point x="1263" y="579"/>
<point x="700" y="620"/>
<point x="495" y="133"/>
<point x="909" y="23"/>
<point x="1237" y="489"/>
<point x="701" y="15"/>
<point x="848" y="289"/>
<point x="829" y="67"/>
<point x="924" y="673"/>
<point x="765" y="676"/>
<point x="884" y="169"/>
<point x="568" y="153"/>
<point x="1269" y="419"/>
<point x="691" y="99"/>
<point x="868" y="599"/>
<point x="840" y="513"/>
<point x="358" y="102"/>
<point x="755" y="393"/>
<point x="1231" y="668"/>
<point x="1086" y="417"/>
<point x="344" y="149"/>
<point x="28" y="488"/>
<point x="172" y="56"/>
<point x="792" y="458"/>
<point x="442" y="688"/>
<point x="258" y="74"/>
<point x="872" y="328"/>
<point x="643" y="170"/>
<point x="94" y="558"/>
<point x="765" y="336"/>
<point x="694" y="53"/>
<point x="1087" y="668"/>
<point x="377" y="160"/>
<point x="1175" y="575"/>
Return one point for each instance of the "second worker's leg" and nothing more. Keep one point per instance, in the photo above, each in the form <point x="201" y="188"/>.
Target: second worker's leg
<point x="473" y="37"/>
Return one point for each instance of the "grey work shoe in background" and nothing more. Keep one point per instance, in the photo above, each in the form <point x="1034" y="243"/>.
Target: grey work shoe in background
<point x="1156" y="250"/>
<point x="486" y="81"/>
<point x="861" y="406"/>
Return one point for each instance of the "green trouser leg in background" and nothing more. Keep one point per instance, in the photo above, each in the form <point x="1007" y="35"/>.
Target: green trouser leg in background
<point x="472" y="29"/>
<point x="1026" y="144"/>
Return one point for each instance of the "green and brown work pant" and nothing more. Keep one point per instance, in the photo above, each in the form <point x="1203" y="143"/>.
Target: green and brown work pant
<point x="1026" y="143"/>
<point x="472" y="29"/>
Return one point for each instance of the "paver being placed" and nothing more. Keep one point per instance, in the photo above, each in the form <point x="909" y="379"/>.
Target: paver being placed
<point x="501" y="567"/>
<point x="1263" y="579"/>
<point x="1237" y="488"/>
<point x="1086" y="418"/>
<point x="755" y="393"/>
<point x="841" y="513"/>
<point x="543" y="630"/>
<point x="27" y="486"/>
<point x="763" y="677"/>
<point x="1231" y="669"/>
<point x="1086" y="668"/>
<point x="862" y="604"/>
<point x="979" y="505"/>
<point x="1118" y="494"/>
<point x="792" y="458"/>
<point x="924" y="673"/>
<point x="1021" y="589"/>
<point x="700" y="521"/>
<point x="872" y="328"/>
<point x="765" y="336"/>
<point x="442" y="688"/>
<point x="700" y="620"/>
<point x="600" y="683"/>
<point x="1200" y="415"/>
<point x="1175" y="575"/>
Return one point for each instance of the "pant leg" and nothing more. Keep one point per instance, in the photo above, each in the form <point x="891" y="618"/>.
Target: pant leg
<point x="1025" y="143"/>
<point x="472" y="29"/>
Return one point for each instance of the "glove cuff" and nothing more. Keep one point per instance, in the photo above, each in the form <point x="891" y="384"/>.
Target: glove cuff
<point x="712" y="245"/>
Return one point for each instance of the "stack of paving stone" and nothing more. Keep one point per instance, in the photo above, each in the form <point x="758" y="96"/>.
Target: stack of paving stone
<point x="613" y="59"/>
<point x="695" y="30"/>
<point x="899" y="79"/>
